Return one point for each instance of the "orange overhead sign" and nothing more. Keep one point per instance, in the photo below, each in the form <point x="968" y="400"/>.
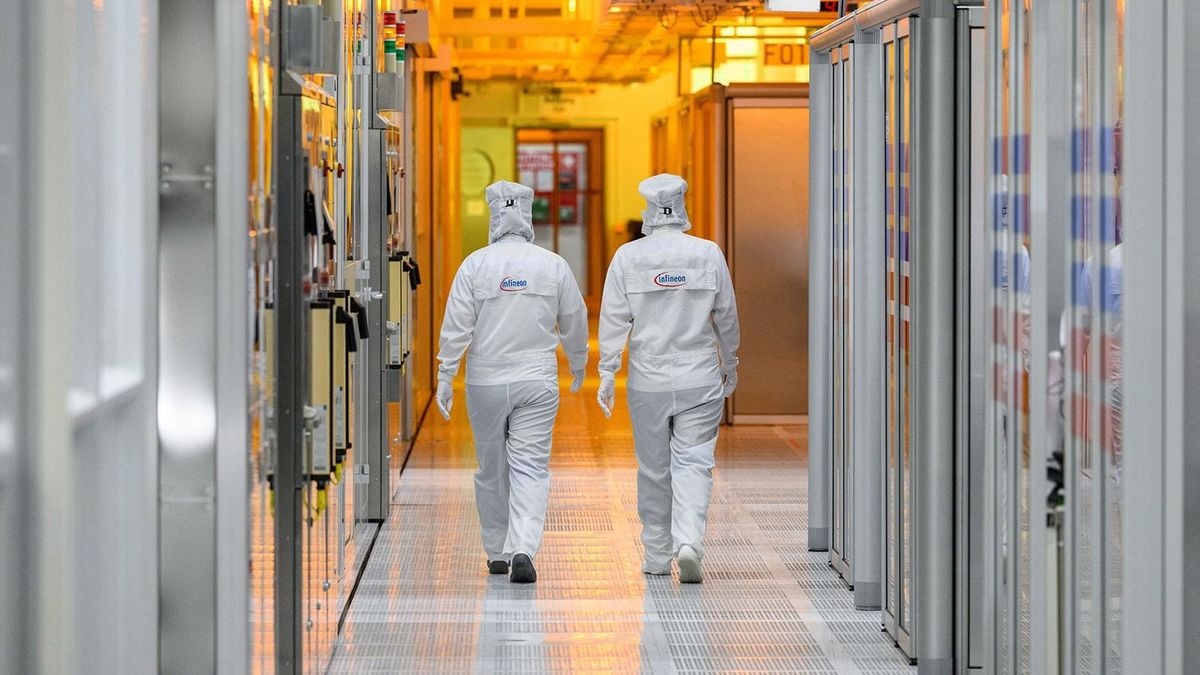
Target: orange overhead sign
<point x="785" y="54"/>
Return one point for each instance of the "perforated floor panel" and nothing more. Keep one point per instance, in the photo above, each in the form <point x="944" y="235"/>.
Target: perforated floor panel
<point x="426" y="603"/>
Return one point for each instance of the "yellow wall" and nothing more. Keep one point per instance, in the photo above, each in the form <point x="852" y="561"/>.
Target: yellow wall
<point x="497" y="144"/>
<point x="494" y="110"/>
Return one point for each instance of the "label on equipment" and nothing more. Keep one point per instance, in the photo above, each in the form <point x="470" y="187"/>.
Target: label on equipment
<point x="320" y="454"/>
<point x="394" y="348"/>
<point x="339" y="418"/>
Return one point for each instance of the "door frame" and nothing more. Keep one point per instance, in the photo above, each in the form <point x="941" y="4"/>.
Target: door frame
<point x="594" y="138"/>
<point x="756" y="96"/>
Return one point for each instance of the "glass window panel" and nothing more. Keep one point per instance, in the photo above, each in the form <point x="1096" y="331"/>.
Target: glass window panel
<point x="1111" y="307"/>
<point x="903" y="255"/>
<point x="891" y="597"/>
<point x="1082" y="491"/>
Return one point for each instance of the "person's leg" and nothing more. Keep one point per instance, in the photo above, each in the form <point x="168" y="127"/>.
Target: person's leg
<point x="650" y="413"/>
<point x="530" y="430"/>
<point x="488" y="409"/>
<point x="693" y="445"/>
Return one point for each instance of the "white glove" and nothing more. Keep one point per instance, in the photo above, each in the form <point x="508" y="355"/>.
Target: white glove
<point x="445" y="397"/>
<point x="607" y="393"/>
<point x="729" y="382"/>
<point x="577" y="383"/>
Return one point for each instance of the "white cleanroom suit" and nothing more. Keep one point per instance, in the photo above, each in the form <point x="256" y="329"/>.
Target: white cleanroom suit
<point x="510" y="305"/>
<point x="671" y="295"/>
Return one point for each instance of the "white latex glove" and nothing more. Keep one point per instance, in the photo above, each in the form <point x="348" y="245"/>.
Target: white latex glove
<point x="577" y="383"/>
<point x="607" y="393"/>
<point x="445" y="398"/>
<point x="729" y="382"/>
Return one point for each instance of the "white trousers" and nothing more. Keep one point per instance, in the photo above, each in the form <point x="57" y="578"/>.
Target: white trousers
<point x="675" y="435"/>
<point x="513" y="424"/>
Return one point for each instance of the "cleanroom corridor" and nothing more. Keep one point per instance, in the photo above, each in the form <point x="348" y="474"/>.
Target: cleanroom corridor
<point x="426" y="603"/>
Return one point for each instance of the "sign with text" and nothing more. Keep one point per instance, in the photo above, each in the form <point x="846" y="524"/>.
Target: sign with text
<point x="785" y="54"/>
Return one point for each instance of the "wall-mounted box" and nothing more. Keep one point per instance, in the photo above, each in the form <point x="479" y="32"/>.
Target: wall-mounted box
<point x="387" y="92"/>
<point x="320" y="460"/>
<point x="397" y="289"/>
<point x="417" y="32"/>
<point x="313" y="42"/>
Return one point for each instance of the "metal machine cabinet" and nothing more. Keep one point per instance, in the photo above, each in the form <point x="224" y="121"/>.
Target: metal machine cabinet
<point x="841" y="419"/>
<point x="1160" y="479"/>
<point x="857" y="293"/>
<point x="820" y="303"/>
<point x="973" y="284"/>
<point x="204" y="343"/>
<point x="892" y="438"/>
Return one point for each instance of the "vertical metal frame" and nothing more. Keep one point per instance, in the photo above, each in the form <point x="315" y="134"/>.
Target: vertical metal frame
<point x="204" y="336"/>
<point x="1009" y="492"/>
<point x="933" y="280"/>
<point x="842" y="432"/>
<point x="290" y="352"/>
<point x="1162" y="494"/>
<point x="18" y="632"/>
<point x="820" y="297"/>
<point x="998" y="651"/>
<point x="374" y="454"/>
<point x="894" y="97"/>
<point x="1049" y="214"/>
<point x="973" y="282"/>
<point x="234" y="341"/>
<point x="868" y="320"/>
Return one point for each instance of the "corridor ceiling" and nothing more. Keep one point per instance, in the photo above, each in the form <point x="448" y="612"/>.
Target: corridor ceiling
<point x="589" y="40"/>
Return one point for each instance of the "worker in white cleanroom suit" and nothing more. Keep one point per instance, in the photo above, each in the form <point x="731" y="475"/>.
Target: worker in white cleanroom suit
<point x="510" y="305"/>
<point x="671" y="294"/>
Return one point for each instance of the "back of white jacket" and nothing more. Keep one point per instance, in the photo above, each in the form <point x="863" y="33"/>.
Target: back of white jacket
<point x="670" y="293"/>
<point x="511" y="303"/>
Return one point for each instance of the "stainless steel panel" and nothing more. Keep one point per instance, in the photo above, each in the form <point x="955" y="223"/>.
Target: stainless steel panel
<point x="842" y="486"/>
<point x="974" y="284"/>
<point x="187" y="390"/>
<point x="933" y="256"/>
<point x="16" y="556"/>
<point x="820" y="310"/>
<point x="769" y="237"/>
<point x="867" y="299"/>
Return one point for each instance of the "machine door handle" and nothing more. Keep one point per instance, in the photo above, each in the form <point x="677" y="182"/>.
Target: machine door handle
<point x="310" y="214"/>
<point x="414" y="273"/>
<point x="343" y="317"/>
<point x="361" y="313"/>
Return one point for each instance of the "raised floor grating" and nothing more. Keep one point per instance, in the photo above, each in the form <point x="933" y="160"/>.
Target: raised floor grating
<point x="426" y="605"/>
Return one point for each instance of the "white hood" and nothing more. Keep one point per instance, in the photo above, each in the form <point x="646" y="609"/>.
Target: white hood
<point x="511" y="206"/>
<point x="664" y="203"/>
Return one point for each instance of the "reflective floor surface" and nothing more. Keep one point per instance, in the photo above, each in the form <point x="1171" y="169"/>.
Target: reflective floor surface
<point x="426" y="604"/>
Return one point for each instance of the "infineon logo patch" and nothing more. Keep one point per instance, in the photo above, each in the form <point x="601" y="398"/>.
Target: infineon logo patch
<point x="670" y="280"/>
<point x="512" y="284"/>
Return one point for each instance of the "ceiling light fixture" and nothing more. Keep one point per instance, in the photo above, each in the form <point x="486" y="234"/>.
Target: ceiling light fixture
<point x="793" y="5"/>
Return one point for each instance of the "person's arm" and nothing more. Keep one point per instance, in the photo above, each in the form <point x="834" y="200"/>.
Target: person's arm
<point x="458" y="325"/>
<point x="572" y="319"/>
<point x="725" y="320"/>
<point x="616" y="318"/>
